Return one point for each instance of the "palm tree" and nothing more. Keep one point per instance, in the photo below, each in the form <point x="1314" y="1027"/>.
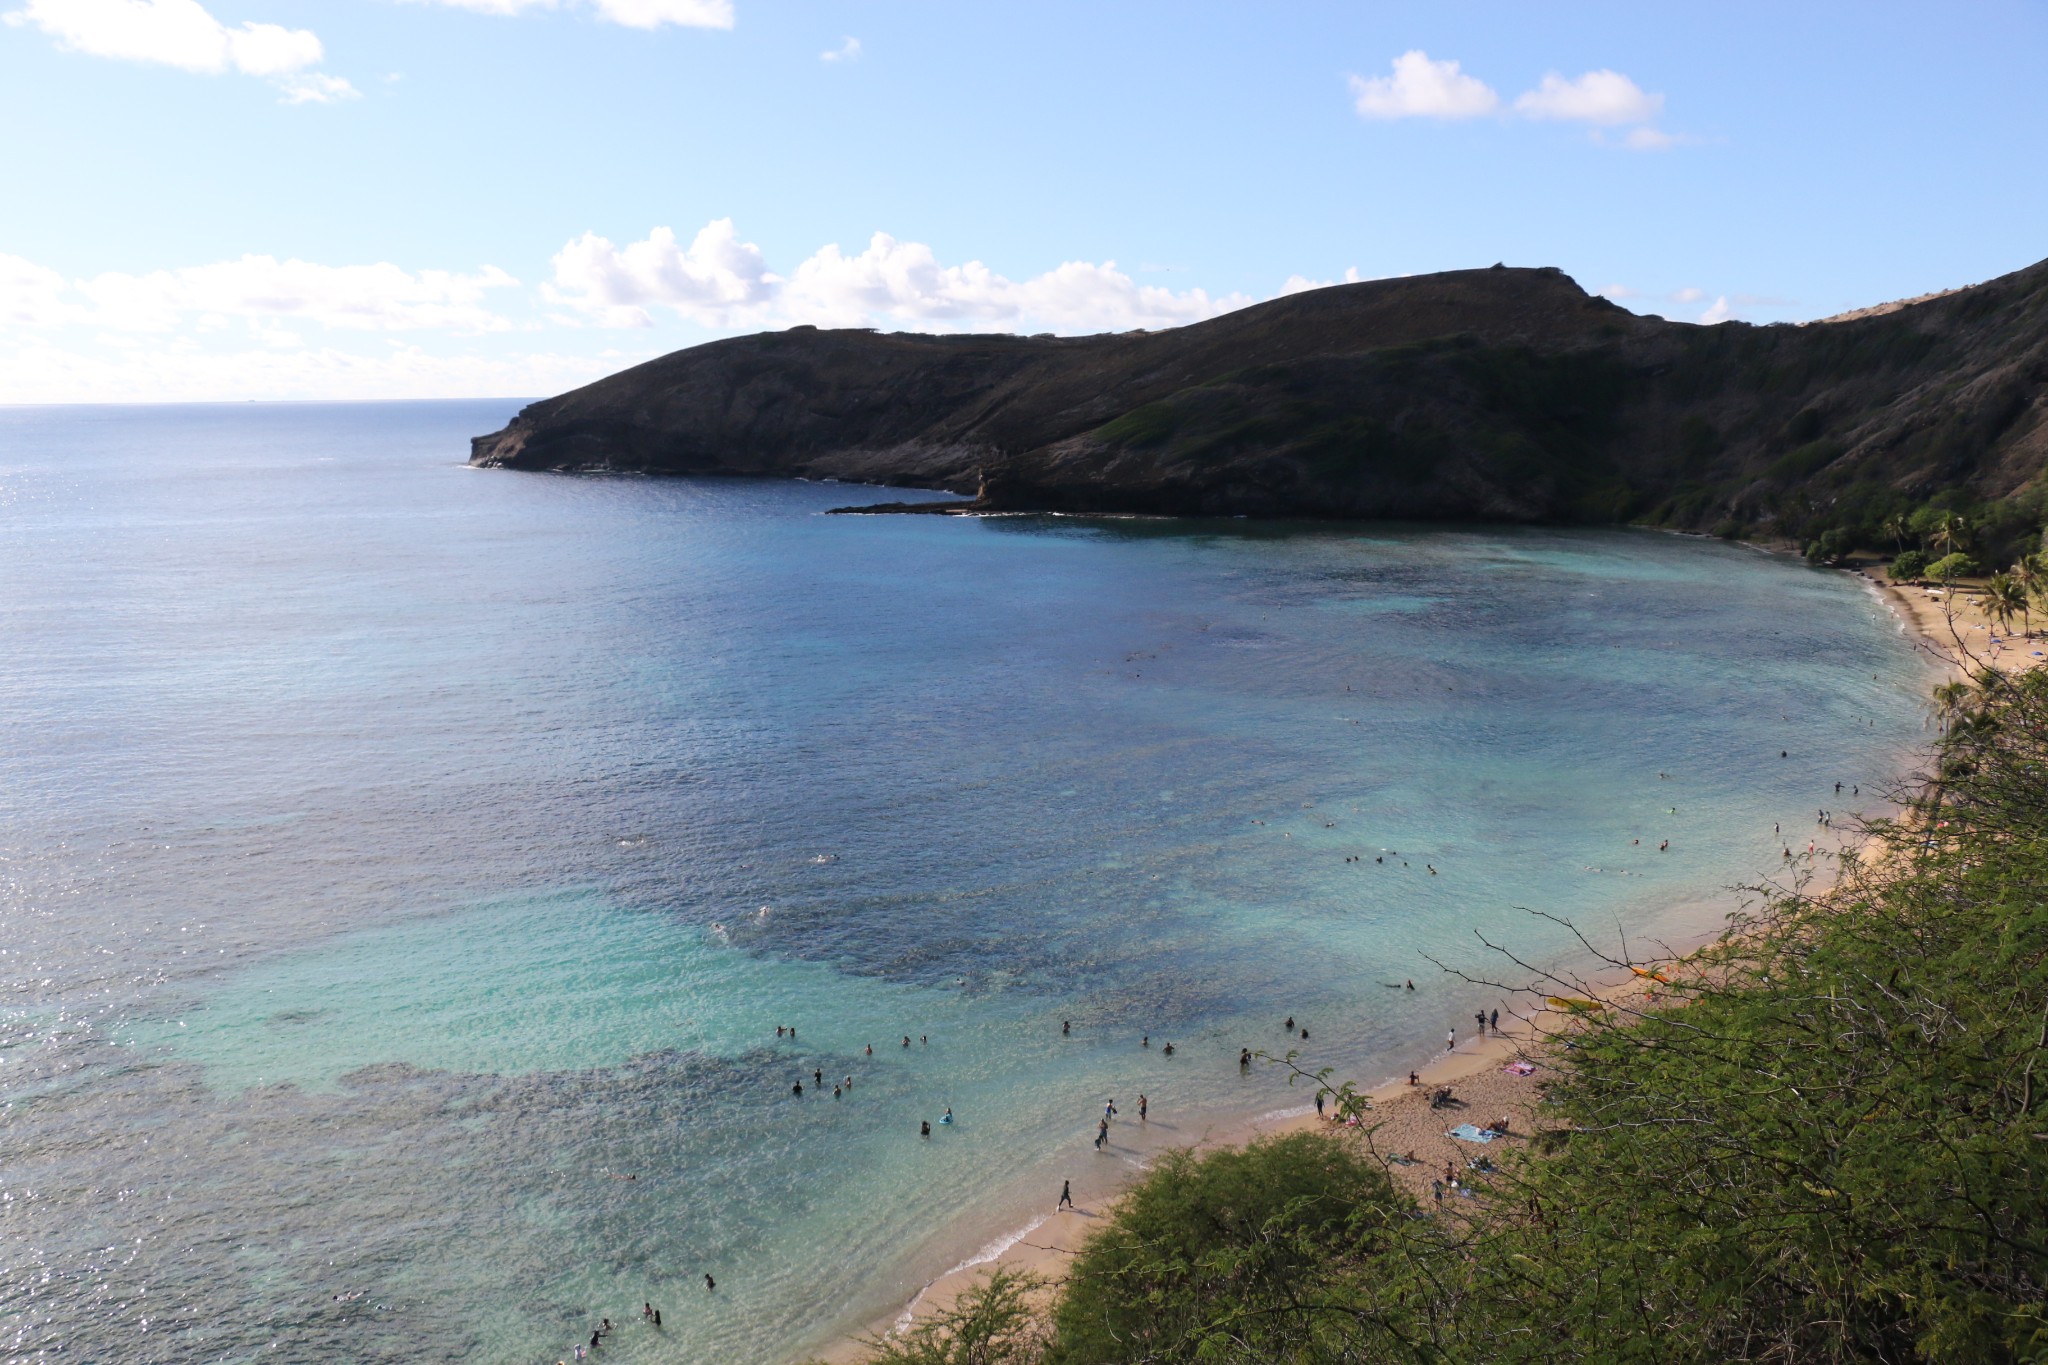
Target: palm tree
<point x="1952" y="702"/>
<point x="2026" y="576"/>
<point x="2004" y="599"/>
<point x="1895" y="527"/>
<point x="1947" y="535"/>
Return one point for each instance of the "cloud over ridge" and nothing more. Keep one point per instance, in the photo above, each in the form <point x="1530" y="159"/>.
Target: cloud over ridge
<point x="719" y="281"/>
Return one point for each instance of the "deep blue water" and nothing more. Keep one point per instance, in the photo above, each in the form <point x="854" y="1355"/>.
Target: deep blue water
<point x="399" y="856"/>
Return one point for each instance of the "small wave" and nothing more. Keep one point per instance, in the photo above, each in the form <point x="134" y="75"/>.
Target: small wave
<point x="1294" y="1113"/>
<point x="982" y="1257"/>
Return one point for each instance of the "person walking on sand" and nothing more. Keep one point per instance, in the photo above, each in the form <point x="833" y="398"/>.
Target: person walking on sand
<point x="1141" y="1108"/>
<point x="1066" y="1196"/>
<point x="1495" y="1023"/>
<point x="1481" y="1018"/>
<point x="1451" y="1041"/>
<point x="1319" y="1104"/>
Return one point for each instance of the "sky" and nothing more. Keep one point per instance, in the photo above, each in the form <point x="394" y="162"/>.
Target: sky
<point x="307" y="199"/>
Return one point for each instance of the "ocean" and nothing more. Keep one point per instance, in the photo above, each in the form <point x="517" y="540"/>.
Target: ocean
<point x="405" y="869"/>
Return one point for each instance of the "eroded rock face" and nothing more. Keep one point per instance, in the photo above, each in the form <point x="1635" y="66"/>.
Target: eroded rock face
<point x="1497" y="394"/>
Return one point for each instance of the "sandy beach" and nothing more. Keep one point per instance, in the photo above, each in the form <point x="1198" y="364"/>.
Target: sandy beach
<point x="1492" y="1078"/>
<point x="1952" y="628"/>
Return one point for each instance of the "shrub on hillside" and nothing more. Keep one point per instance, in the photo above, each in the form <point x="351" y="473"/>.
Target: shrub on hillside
<point x="1209" y="1257"/>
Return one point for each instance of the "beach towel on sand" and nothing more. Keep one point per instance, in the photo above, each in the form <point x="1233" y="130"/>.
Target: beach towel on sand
<point x="1465" y="1132"/>
<point x="1519" y="1069"/>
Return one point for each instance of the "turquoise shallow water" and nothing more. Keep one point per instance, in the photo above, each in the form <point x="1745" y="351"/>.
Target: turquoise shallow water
<point x="406" y="866"/>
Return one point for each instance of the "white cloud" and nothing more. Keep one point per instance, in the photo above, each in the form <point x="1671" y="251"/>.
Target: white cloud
<point x="655" y="13"/>
<point x="1717" y="311"/>
<point x="177" y="33"/>
<point x="378" y="297"/>
<point x="1301" y="284"/>
<point x="847" y="51"/>
<point x="499" y="7"/>
<point x="1599" y="97"/>
<point x="646" y="14"/>
<point x="721" y="281"/>
<point x="1421" y="88"/>
<point x="316" y="87"/>
<point x="1689" y="294"/>
<point x="716" y="280"/>
<point x="1617" y="291"/>
<point x="1651" y="140"/>
<point x="32" y="295"/>
<point x="38" y="372"/>
<point x="182" y="34"/>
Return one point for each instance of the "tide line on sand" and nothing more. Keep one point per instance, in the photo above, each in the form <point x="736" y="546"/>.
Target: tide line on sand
<point x="990" y="1252"/>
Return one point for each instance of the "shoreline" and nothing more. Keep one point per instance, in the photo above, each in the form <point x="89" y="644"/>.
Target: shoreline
<point x="1400" y="1120"/>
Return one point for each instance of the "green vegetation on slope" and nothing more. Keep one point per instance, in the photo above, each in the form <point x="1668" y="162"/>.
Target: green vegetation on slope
<point x="1829" y="1144"/>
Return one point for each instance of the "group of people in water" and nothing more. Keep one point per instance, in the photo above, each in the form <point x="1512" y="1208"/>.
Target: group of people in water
<point x="649" y="1315"/>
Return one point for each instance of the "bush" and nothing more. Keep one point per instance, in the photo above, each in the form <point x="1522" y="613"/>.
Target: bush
<point x="1957" y="565"/>
<point x="991" y="1323"/>
<point x="1827" y="1147"/>
<point x="1909" y="566"/>
<point x="1832" y="546"/>
<point x="1208" y="1257"/>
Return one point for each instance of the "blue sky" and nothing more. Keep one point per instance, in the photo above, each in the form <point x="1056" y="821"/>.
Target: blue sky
<point x="369" y="198"/>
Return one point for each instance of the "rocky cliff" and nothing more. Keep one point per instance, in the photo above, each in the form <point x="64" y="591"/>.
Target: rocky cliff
<point x="1497" y="394"/>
